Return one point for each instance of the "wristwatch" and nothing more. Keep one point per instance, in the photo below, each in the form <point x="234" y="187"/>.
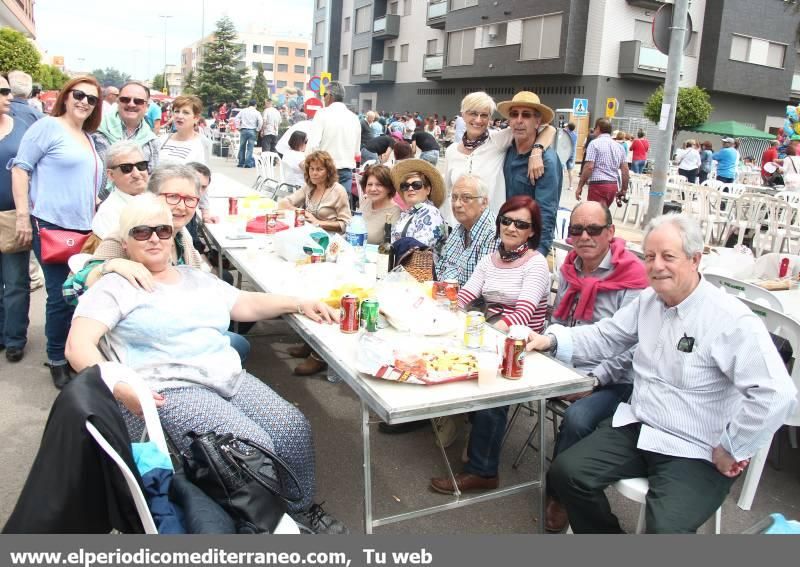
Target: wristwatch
<point x="553" y="343"/>
<point x="595" y="381"/>
<point x="539" y="146"/>
<point x="104" y="270"/>
<point x="300" y="309"/>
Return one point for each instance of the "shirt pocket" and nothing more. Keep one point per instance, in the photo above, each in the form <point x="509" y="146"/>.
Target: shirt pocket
<point x="696" y="370"/>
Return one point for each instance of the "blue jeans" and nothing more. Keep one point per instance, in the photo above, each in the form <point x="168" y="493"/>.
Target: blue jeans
<point x="367" y="155"/>
<point x="582" y="416"/>
<point x="346" y="181"/>
<point x="58" y="314"/>
<point x="485" y="440"/>
<point x="247" y="140"/>
<point x="15" y="298"/>
<point x="240" y="344"/>
<point x="431" y="156"/>
<point x="638" y="165"/>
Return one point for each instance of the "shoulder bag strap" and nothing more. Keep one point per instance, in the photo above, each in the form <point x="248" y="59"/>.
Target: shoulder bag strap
<point x="230" y="454"/>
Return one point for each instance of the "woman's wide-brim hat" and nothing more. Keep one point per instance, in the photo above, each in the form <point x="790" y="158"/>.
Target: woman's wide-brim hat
<point x="401" y="169"/>
<point x="528" y="100"/>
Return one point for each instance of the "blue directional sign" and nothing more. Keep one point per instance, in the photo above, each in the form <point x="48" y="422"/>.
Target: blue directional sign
<point x="580" y="106"/>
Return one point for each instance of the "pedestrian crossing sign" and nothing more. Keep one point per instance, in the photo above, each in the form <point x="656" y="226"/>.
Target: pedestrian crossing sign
<point x="580" y="106"/>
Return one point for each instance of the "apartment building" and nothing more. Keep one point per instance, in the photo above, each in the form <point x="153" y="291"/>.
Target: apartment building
<point x="286" y="60"/>
<point x="427" y="54"/>
<point x="18" y="15"/>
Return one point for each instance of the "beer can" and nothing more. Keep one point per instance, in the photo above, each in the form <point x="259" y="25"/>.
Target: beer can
<point x="317" y="258"/>
<point x="473" y="329"/>
<point x="233" y="206"/>
<point x="452" y="288"/>
<point x="514" y="353"/>
<point x="369" y="315"/>
<point x="349" y="316"/>
<point x="299" y="217"/>
<point x="784" y="268"/>
<point x="271" y="223"/>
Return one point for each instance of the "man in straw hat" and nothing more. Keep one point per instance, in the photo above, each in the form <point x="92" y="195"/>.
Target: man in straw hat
<point x="527" y="116"/>
<point x="604" y="159"/>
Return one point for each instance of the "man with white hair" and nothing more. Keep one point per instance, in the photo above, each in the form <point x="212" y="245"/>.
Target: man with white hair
<point x="21" y="85"/>
<point x="110" y="95"/>
<point x="126" y="169"/>
<point x="709" y="391"/>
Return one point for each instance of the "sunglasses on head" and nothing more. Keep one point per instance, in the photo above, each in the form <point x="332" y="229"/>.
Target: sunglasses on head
<point x="128" y="167"/>
<point x="413" y="186"/>
<point x="520" y="224"/>
<point x="175" y="198"/>
<point x="144" y="232"/>
<point x="80" y="95"/>
<point x="127" y="100"/>
<point x="591" y="229"/>
<point x="5" y="91"/>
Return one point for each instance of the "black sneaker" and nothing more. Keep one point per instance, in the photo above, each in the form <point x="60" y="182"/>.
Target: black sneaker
<point x="316" y="520"/>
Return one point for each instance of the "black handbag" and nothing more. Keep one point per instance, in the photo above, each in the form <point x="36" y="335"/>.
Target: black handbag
<point x="243" y="477"/>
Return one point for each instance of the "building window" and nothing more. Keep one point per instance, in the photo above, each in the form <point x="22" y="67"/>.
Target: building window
<point x="393" y="7"/>
<point x="299" y="52"/>
<point x="344" y="61"/>
<point x="256" y="49"/>
<point x="320" y="4"/>
<point x="493" y="35"/>
<point x="319" y="32"/>
<point x="317" y="63"/>
<point x="407" y="7"/>
<point x="361" y="61"/>
<point x="431" y="47"/>
<point x="541" y="37"/>
<point x="404" y="53"/>
<point x="283" y="68"/>
<point x="254" y="65"/>
<point x="281" y="84"/>
<point x="458" y="4"/>
<point x="283" y="51"/>
<point x="461" y="47"/>
<point x="299" y="69"/>
<point x="390" y="52"/>
<point x="300" y="85"/>
<point x="309" y="70"/>
<point x="347" y="24"/>
<point x="363" y="23"/>
<point x="267" y="50"/>
<point x="758" y="51"/>
<point x="267" y="66"/>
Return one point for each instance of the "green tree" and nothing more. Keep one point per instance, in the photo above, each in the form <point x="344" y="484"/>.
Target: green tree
<point x="110" y="77"/>
<point x="260" y="88"/>
<point x="17" y="53"/>
<point x="189" y="87"/>
<point x="158" y="82"/>
<point x="694" y="107"/>
<point x="221" y="70"/>
<point x="51" y="78"/>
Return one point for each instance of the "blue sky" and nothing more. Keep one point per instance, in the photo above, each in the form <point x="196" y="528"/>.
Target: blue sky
<point x="109" y="33"/>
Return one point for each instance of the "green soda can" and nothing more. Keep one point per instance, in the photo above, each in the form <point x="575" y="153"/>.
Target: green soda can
<point x="369" y="315"/>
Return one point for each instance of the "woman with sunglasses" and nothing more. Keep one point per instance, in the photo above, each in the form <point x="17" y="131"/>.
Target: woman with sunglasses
<point x="185" y="144"/>
<point x="126" y="168"/>
<point x="421" y="188"/>
<point x="14" y="276"/>
<point x="174" y="339"/>
<point x="55" y="179"/>
<point x="514" y="281"/>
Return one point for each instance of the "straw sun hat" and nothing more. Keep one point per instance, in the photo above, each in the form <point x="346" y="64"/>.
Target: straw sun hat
<point x="401" y="169"/>
<point x="529" y="100"/>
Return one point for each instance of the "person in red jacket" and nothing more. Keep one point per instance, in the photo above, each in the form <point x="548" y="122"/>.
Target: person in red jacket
<point x="769" y="155"/>
<point x="640" y="148"/>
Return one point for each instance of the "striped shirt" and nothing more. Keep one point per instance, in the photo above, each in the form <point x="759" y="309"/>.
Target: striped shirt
<point x="607" y="156"/>
<point x="731" y="388"/>
<point x="457" y="260"/>
<point x="515" y="291"/>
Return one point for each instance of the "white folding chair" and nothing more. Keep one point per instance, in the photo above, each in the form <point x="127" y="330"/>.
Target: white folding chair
<point x="745" y="290"/>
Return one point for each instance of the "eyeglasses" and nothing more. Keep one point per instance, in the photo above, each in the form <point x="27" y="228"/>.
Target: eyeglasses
<point x="128" y="167"/>
<point x="127" y="100"/>
<point x="80" y="95"/>
<point x="144" y="232"/>
<point x="175" y="198"/>
<point x="5" y="91"/>
<point x="520" y="224"/>
<point x="466" y="199"/>
<point x="475" y="114"/>
<point x="413" y="186"/>
<point x="591" y="229"/>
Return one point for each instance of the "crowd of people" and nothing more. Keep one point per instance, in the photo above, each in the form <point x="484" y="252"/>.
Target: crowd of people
<point x="687" y="384"/>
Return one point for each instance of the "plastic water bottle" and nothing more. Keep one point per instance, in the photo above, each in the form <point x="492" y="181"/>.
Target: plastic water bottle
<point x="356" y="236"/>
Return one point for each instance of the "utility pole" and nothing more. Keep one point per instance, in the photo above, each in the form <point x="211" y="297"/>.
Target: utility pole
<point x="202" y="35"/>
<point x="164" y="76"/>
<point x="680" y="14"/>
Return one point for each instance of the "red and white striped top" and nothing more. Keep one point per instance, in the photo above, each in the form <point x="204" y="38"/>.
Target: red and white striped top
<point x="516" y="290"/>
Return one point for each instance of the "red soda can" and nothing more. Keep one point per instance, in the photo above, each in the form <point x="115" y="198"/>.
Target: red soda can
<point x="317" y="258"/>
<point x="271" y="223"/>
<point x="349" y="317"/>
<point x="514" y="353"/>
<point x="233" y="206"/>
<point x="784" y="269"/>
<point x="299" y="217"/>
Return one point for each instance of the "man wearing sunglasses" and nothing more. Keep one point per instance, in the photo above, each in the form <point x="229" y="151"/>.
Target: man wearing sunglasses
<point x="127" y="122"/>
<point x="127" y="171"/>
<point x="597" y="279"/>
<point x="527" y="117"/>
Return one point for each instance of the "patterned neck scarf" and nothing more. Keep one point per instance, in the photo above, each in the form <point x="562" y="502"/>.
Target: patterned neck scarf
<point x="474" y="144"/>
<point x="512" y="255"/>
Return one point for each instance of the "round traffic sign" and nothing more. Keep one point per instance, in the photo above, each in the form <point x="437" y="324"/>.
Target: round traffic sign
<point x="314" y="83"/>
<point x="311" y="106"/>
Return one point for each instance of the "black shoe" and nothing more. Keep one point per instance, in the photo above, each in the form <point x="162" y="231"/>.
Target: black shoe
<point x="14" y="354"/>
<point x="315" y="520"/>
<point x="60" y="375"/>
<point x="399" y="428"/>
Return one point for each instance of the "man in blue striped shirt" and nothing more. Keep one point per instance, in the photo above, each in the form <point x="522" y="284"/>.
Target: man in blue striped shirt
<point x="709" y="391"/>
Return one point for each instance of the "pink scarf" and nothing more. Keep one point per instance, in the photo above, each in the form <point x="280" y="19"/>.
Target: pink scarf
<point x="629" y="273"/>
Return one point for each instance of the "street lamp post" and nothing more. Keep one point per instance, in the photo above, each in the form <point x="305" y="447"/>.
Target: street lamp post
<point x="164" y="76"/>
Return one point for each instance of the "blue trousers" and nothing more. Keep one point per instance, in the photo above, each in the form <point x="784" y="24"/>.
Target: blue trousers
<point x="485" y="441"/>
<point x="638" y="165"/>
<point x="15" y="298"/>
<point x="247" y="141"/>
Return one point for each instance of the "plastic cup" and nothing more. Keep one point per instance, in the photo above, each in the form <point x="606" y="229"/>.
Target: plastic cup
<point x="288" y="217"/>
<point x="488" y="368"/>
<point x="370" y="273"/>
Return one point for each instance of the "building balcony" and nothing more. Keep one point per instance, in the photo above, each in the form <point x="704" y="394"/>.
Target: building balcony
<point x="386" y="27"/>
<point x="432" y="66"/>
<point x="437" y="13"/>
<point x="639" y="62"/>
<point x="647" y="4"/>
<point x="383" y="72"/>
